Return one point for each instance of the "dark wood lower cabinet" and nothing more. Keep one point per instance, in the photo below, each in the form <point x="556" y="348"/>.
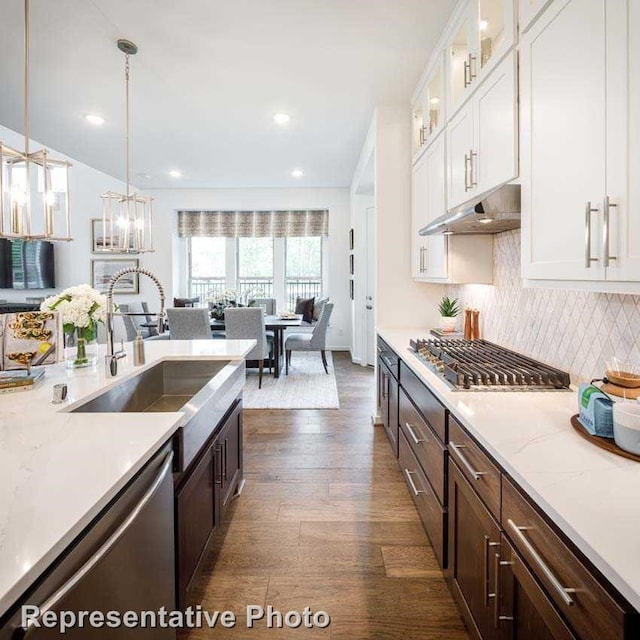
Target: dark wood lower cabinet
<point x="524" y="612"/>
<point x="388" y="403"/>
<point x="230" y="445"/>
<point x="195" y="519"/>
<point x="202" y="497"/>
<point x="474" y="539"/>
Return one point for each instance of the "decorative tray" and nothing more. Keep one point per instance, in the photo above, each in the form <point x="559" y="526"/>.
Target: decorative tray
<point x="608" y="444"/>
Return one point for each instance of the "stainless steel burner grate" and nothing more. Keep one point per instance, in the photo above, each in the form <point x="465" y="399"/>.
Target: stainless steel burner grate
<point x="482" y="365"/>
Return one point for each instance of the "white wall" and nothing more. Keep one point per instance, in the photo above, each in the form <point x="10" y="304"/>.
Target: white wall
<point x="72" y="259"/>
<point x="169" y="260"/>
<point x="400" y="301"/>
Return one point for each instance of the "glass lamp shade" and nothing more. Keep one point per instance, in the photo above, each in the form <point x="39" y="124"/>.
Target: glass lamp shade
<point x="34" y="190"/>
<point x="127" y="222"/>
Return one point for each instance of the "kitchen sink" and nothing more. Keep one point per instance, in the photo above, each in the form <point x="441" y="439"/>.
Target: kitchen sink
<point x="203" y="390"/>
<point x="167" y="386"/>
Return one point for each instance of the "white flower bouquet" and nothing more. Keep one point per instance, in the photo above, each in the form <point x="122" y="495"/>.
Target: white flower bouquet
<point x="81" y="308"/>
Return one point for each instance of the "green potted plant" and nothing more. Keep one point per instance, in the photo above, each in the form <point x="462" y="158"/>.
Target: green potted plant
<point x="449" y="311"/>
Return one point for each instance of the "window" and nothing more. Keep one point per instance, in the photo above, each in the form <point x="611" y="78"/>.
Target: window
<point x="284" y="268"/>
<point x="303" y="271"/>
<point x="207" y="267"/>
<point x="255" y="265"/>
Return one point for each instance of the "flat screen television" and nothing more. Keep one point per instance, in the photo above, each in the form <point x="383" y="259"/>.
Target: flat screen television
<point x="26" y="265"/>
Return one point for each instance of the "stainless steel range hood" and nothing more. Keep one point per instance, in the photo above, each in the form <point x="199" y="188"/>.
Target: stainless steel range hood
<point x="496" y="212"/>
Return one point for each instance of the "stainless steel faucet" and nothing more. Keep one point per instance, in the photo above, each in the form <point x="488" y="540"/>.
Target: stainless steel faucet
<point x="111" y="359"/>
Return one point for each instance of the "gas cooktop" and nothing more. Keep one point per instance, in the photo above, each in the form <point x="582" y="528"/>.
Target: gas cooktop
<point x="479" y="365"/>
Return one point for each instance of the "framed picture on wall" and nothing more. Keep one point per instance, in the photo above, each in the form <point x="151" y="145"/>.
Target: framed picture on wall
<point x="101" y="241"/>
<point x="350" y="239"/>
<point x="351" y="291"/>
<point x="103" y="270"/>
<point x="351" y="265"/>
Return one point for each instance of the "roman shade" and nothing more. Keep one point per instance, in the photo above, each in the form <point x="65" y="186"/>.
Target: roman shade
<point x="253" y="224"/>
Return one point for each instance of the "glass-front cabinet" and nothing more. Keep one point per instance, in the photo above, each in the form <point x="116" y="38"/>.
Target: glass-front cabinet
<point x="482" y="35"/>
<point x="428" y="111"/>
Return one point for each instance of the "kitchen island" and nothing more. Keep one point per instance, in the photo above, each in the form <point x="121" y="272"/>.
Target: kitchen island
<point x="588" y="494"/>
<point x="58" y="470"/>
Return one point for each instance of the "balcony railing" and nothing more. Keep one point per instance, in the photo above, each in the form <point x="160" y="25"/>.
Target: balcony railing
<point x="206" y="288"/>
<point x="301" y="288"/>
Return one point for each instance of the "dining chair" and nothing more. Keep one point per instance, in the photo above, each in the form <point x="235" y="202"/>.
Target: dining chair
<point x="269" y="305"/>
<point x="133" y="323"/>
<point x="189" y="324"/>
<point x="247" y="323"/>
<point x="314" y="341"/>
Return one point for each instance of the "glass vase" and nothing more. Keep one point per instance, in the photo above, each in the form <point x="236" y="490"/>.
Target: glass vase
<point x="80" y="351"/>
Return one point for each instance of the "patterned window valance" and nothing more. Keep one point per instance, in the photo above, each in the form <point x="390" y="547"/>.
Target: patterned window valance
<point x="253" y="224"/>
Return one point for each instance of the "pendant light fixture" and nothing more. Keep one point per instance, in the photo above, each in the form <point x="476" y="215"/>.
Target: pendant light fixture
<point x="127" y="219"/>
<point x="34" y="188"/>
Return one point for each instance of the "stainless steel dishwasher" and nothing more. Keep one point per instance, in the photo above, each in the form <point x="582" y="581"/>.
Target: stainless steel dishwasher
<point x="124" y="561"/>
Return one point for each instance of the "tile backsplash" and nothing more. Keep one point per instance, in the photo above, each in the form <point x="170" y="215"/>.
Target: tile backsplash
<point x="573" y="330"/>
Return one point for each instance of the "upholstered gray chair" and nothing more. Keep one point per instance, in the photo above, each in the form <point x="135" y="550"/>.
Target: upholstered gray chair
<point x="132" y="324"/>
<point x="247" y="323"/>
<point x="189" y="324"/>
<point x="269" y="305"/>
<point x="315" y="341"/>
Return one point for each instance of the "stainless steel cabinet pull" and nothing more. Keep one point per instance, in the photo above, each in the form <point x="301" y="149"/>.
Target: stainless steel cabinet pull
<point x="224" y="459"/>
<point x="104" y="550"/>
<point x="588" y="210"/>
<point x="563" y="592"/>
<point x="408" y="475"/>
<point x="466" y="173"/>
<point x="497" y="563"/>
<point x="413" y="434"/>
<point x="456" y="449"/>
<point x="485" y="558"/>
<point x="472" y="182"/>
<point x="467" y="82"/>
<point x="606" y="231"/>
<point x="472" y="75"/>
<point x="422" y="130"/>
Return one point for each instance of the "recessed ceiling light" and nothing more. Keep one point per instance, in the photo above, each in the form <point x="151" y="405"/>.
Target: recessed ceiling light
<point x="484" y="25"/>
<point x="174" y="173"/>
<point x="447" y="233"/>
<point x="281" y="118"/>
<point x="94" y="119"/>
<point x="297" y="173"/>
<point x="435" y="101"/>
<point x="485" y="220"/>
<point x="144" y="176"/>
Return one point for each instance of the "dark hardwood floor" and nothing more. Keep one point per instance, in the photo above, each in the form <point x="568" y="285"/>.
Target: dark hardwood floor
<point x="325" y="521"/>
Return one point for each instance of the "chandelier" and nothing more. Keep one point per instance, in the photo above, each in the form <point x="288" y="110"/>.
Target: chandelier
<point x="34" y="188"/>
<point x="127" y="219"/>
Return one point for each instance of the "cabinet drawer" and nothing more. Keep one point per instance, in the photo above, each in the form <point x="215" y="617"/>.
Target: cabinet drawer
<point x="425" y="445"/>
<point x="583" y="601"/>
<point x="430" y="408"/>
<point x="476" y="466"/>
<point x="433" y="516"/>
<point x="389" y="357"/>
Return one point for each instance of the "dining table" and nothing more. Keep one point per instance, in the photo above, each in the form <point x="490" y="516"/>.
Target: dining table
<point x="276" y="324"/>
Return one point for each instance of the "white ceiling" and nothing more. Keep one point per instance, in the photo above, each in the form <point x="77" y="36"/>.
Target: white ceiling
<point x="208" y="78"/>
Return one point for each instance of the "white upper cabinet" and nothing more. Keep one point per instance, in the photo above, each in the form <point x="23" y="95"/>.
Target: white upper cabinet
<point x="528" y="11"/>
<point x="429" y="253"/>
<point x="483" y="33"/>
<point x="440" y="258"/>
<point x="428" y="111"/>
<point x="580" y="107"/>
<point x="482" y="138"/>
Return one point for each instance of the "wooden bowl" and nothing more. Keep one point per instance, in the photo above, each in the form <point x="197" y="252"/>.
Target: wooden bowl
<point x="624" y="379"/>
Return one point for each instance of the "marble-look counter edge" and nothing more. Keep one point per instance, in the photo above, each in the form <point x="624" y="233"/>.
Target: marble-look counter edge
<point x="557" y="406"/>
<point x="55" y="422"/>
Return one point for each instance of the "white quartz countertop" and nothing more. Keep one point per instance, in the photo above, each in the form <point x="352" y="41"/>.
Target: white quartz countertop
<point x="591" y="494"/>
<point x="58" y="470"/>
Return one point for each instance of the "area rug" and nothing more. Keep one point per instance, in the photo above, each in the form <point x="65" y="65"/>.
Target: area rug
<point x="306" y="387"/>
